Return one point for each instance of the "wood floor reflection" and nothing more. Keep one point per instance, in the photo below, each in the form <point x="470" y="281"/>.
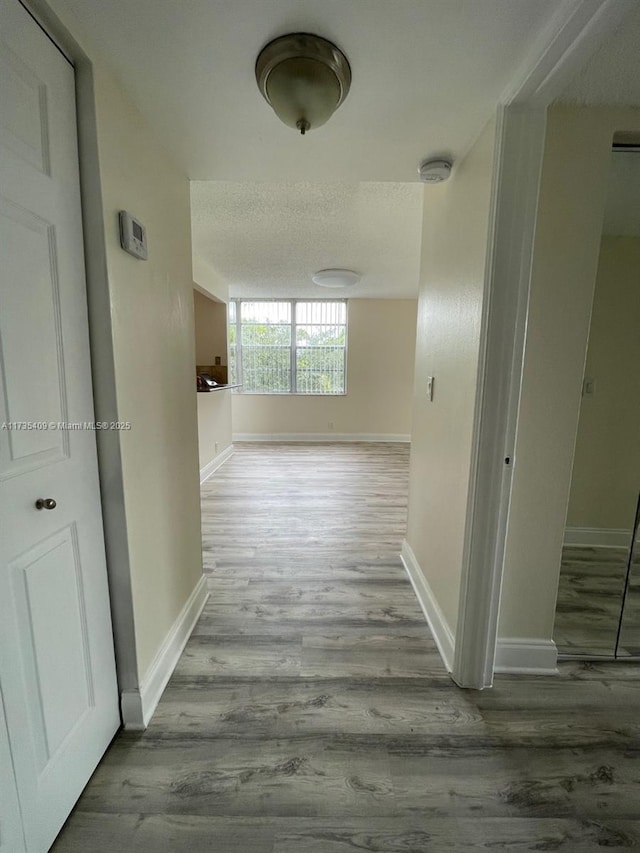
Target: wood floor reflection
<point x="310" y="712"/>
<point x="590" y="597"/>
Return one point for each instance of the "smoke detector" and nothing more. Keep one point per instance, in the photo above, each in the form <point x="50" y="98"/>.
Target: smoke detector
<point x="434" y="171"/>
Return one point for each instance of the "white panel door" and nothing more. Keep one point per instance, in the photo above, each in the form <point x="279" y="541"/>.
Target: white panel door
<point x="57" y="671"/>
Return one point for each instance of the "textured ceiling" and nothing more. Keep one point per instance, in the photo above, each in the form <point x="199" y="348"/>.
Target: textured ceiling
<point x="622" y="211"/>
<point x="268" y="239"/>
<point x="426" y="77"/>
<point x="612" y="75"/>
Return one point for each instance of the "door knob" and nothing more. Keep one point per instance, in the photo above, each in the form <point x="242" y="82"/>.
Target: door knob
<point x="45" y="503"/>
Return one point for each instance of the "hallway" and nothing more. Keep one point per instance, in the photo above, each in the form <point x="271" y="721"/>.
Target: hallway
<point x="310" y="711"/>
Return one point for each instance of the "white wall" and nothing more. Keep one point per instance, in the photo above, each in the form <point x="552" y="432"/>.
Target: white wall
<point x="569" y="225"/>
<point x="380" y="356"/>
<point x="606" y="469"/>
<point x="452" y="277"/>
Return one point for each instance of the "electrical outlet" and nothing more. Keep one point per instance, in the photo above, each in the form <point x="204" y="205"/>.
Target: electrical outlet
<point x="330" y="424"/>
<point x="589" y="387"/>
<point x="215" y="447"/>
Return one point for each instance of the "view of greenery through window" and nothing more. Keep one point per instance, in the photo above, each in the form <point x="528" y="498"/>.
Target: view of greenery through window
<point x="288" y="346"/>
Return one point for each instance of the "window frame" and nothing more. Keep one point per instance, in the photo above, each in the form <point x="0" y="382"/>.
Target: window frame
<point x="293" y="347"/>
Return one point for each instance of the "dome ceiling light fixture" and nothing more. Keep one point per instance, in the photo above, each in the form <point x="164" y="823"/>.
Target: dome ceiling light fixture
<point x="336" y="278"/>
<point x="304" y="78"/>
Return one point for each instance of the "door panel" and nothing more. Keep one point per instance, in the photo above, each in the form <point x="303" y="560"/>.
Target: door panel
<point x="23" y="111"/>
<point x="57" y="696"/>
<point x="34" y="389"/>
<point x="57" y="671"/>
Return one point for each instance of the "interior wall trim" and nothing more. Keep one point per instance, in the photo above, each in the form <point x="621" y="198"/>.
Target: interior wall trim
<point x="526" y="656"/>
<point x="578" y="29"/>
<point x="322" y="436"/>
<point x="519" y="153"/>
<point x="138" y="706"/>
<point x="215" y="463"/>
<point x="573" y="35"/>
<point x="597" y="537"/>
<point x="442" y="633"/>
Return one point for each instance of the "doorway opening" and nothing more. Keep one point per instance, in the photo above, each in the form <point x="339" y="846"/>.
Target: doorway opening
<point x="598" y="607"/>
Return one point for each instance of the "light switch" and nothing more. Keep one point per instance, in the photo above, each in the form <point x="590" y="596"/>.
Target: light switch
<point x="430" y="383"/>
<point x="589" y="387"/>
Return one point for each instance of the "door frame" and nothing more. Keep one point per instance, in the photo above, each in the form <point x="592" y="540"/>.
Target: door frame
<point x="101" y="348"/>
<point x="579" y="28"/>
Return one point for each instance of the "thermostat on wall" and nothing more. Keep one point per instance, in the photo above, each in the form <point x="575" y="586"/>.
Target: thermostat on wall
<point x="133" y="235"/>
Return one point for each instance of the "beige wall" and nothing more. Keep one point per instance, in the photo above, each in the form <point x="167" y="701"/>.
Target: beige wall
<point x="569" y="224"/>
<point x="208" y="280"/>
<point x="214" y="425"/>
<point x="214" y="408"/>
<point x="606" y="469"/>
<point x="151" y="307"/>
<point x="152" y="314"/>
<point x="211" y="329"/>
<point x="380" y="355"/>
<point x="456" y="219"/>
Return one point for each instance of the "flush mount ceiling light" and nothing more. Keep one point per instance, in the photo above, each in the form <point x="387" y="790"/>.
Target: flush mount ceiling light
<point x="434" y="171"/>
<point x="304" y="78"/>
<point x="336" y="278"/>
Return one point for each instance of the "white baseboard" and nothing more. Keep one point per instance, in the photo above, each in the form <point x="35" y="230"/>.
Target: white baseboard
<point x="439" y="626"/>
<point x="138" y="706"/>
<point x="600" y="537"/>
<point x="322" y="436"/>
<point x="526" y="656"/>
<point x="517" y="655"/>
<point x="215" y="463"/>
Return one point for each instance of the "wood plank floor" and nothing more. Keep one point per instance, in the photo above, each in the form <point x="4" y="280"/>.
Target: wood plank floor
<point x="310" y="712"/>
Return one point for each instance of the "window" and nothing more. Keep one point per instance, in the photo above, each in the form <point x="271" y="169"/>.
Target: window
<point x="288" y="346"/>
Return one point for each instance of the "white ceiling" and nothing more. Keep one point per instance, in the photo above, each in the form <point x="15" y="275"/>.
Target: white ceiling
<point x="268" y="239"/>
<point x="612" y="75"/>
<point x="426" y="77"/>
<point x="277" y="207"/>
